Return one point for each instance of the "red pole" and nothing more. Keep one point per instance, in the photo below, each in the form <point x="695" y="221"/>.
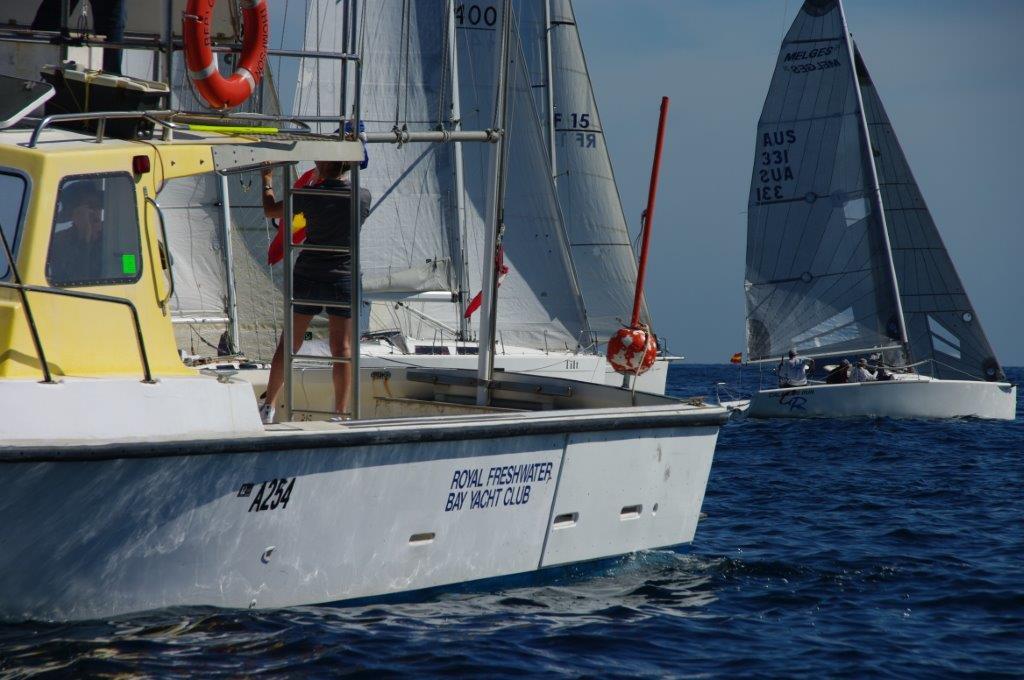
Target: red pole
<point x="648" y="215"/>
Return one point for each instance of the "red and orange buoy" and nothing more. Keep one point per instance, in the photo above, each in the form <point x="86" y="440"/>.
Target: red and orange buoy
<point x="633" y="349"/>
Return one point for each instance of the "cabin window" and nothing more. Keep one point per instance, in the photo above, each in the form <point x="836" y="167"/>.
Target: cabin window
<point x="95" y="239"/>
<point x="13" y="201"/>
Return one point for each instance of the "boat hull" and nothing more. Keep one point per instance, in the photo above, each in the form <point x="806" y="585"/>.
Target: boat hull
<point x="924" y="398"/>
<point x="100" y="531"/>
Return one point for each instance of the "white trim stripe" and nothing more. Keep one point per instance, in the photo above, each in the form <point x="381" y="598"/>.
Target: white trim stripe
<point x="247" y="76"/>
<point x="210" y="69"/>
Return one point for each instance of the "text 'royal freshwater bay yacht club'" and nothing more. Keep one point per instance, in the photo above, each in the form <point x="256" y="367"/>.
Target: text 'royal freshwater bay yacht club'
<point x="138" y="481"/>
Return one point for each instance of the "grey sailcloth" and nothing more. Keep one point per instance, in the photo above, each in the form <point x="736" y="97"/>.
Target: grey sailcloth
<point x="942" y="326"/>
<point x="588" y="195"/>
<point x="816" y="273"/>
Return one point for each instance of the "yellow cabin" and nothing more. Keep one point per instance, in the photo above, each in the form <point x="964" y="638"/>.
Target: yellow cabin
<point x="87" y="237"/>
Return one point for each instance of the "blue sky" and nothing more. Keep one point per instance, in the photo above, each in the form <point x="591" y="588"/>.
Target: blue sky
<point x="948" y="73"/>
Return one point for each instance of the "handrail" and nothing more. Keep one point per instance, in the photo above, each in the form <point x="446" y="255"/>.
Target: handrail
<point x="147" y="374"/>
<point x="17" y="35"/>
<point x="167" y="247"/>
<point x="46" y="121"/>
<point x="47" y="378"/>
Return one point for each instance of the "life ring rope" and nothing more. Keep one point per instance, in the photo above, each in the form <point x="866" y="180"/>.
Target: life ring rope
<point x="201" y="62"/>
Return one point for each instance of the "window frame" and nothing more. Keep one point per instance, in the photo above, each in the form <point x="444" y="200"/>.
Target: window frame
<point x="20" y="222"/>
<point x="123" y="281"/>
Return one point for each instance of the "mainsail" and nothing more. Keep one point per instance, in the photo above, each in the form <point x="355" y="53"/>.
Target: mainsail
<point x="942" y="326"/>
<point x="817" y="277"/>
<point x="596" y="225"/>
<point x="414" y="225"/>
<point x="407" y="239"/>
<point x="539" y="303"/>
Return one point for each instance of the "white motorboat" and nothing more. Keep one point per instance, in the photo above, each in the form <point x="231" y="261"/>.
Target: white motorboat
<point x="137" y="482"/>
<point x="843" y="257"/>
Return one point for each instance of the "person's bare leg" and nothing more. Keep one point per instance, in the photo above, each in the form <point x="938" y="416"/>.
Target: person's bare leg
<point x="275" y="380"/>
<point x="340" y="331"/>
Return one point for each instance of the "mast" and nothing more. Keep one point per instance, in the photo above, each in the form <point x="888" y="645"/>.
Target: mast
<point x="229" y="259"/>
<point x="461" y="265"/>
<point x="356" y="218"/>
<point x="549" y="98"/>
<point x="876" y="189"/>
<point x="347" y="46"/>
<point x="496" y="210"/>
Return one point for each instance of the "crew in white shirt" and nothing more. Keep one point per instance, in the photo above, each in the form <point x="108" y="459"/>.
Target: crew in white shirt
<point x="793" y="371"/>
<point x="860" y="372"/>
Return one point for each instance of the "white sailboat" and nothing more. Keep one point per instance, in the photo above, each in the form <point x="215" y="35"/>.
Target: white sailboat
<point x="843" y="257"/>
<point x="430" y="67"/>
<point x="137" y="482"/>
<point x="595" y="223"/>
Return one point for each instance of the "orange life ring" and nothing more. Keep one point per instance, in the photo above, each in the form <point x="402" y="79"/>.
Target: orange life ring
<point x="218" y="91"/>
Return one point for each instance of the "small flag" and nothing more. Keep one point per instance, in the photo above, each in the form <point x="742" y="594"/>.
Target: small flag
<point x="499" y="262"/>
<point x="275" y="253"/>
<point x="736" y="358"/>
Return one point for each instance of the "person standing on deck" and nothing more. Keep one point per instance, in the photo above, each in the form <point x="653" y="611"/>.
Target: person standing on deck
<point x="793" y="371"/>
<point x="319" y="277"/>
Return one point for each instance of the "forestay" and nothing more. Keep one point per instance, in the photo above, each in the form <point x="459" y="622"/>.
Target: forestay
<point x="942" y="326"/>
<point x="588" y="195"/>
<point x="816" y="275"/>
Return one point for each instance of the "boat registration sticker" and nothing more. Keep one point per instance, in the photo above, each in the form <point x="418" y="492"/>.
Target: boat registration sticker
<point x="272" y="494"/>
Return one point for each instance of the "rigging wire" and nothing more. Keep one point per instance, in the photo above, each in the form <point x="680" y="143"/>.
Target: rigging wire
<point x="445" y="47"/>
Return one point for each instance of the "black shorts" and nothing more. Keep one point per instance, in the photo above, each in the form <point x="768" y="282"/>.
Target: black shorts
<point x="335" y="292"/>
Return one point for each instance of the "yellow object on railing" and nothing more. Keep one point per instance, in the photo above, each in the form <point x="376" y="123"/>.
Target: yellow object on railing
<point x="235" y="129"/>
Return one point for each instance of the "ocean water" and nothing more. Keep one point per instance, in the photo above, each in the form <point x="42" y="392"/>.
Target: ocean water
<point x="830" y="548"/>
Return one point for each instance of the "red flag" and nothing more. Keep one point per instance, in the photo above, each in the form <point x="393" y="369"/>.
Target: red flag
<point x="737" y="358"/>
<point x="275" y="253"/>
<point x="499" y="262"/>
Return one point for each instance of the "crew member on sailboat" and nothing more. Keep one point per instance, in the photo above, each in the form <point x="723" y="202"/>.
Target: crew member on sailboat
<point x="319" y="276"/>
<point x="861" y="373"/>
<point x="793" y="371"/>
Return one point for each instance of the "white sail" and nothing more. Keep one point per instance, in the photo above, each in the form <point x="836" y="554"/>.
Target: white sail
<point x="816" y="276"/>
<point x="539" y="304"/>
<point x="413" y="231"/>
<point x="406" y="241"/>
<point x="942" y="326"/>
<point x="588" y="195"/>
<point x="407" y="238"/>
